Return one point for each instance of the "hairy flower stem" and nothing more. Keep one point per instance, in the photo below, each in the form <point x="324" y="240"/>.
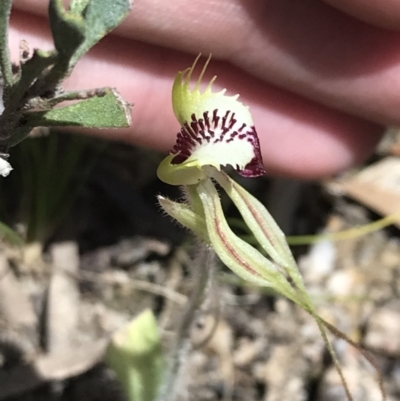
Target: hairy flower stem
<point x="204" y="264"/>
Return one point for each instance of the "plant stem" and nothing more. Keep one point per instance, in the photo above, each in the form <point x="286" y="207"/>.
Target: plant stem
<point x="204" y="268"/>
<point x="5" y="62"/>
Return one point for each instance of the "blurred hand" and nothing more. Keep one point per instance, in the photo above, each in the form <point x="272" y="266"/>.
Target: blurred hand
<point x="322" y="80"/>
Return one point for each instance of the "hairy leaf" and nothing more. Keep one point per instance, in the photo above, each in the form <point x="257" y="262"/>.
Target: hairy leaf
<point x="101" y="17"/>
<point x="107" y="109"/>
<point x="68" y="28"/>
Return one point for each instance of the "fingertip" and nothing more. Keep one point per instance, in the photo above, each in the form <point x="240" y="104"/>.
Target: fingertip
<point x="317" y="144"/>
<point x="319" y="155"/>
<point x="299" y="138"/>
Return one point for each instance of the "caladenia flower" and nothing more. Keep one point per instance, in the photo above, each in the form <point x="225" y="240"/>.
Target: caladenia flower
<point x="218" y="130"/>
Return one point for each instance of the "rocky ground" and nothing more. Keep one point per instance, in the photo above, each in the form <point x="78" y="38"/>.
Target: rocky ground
<point x="115" y="254"/>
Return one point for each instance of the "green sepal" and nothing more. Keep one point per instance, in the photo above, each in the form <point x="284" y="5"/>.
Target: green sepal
<point x="244" y="260"/>
<point x="259" y="221"/>
<point x="266" y="231"/>
<point x="184" y="215"/>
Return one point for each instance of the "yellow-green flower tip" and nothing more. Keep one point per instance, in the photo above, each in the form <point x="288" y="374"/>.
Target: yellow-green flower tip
<point x="217" y="130"/>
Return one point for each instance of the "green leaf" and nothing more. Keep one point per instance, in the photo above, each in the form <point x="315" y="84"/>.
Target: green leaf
<point x="101" y="17"/>
<point x="9" y="235"/>
<point x="68" y="28"/>
<point x="29" y="71"/>
<point x="19" y="134"/>
<point x="78" y="6"/>
<point x="135" y="355"/>
<point x="105" y="109"/>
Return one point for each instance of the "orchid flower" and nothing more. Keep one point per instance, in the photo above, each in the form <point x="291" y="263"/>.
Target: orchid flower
<point x="217" y="130"/>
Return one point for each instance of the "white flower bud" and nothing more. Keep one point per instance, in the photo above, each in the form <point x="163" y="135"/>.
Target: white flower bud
<point x="5" y="167"/>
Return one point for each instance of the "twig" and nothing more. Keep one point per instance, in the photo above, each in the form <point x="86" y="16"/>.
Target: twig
<point x="159" y="290"/>
<point x="204" y="268"/>
<point x="142" y="285"/>
<point x="336" y="332"/>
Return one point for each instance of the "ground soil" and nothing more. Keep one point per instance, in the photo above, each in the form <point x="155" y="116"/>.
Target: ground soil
<point x="116" y="254"/>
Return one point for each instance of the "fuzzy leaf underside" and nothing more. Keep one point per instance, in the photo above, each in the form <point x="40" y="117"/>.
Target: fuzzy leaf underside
<point x="106" y="111"/>
<point x="68" y="28"/>
<point x="101" y="17"/>
<point x="78" y="29"/>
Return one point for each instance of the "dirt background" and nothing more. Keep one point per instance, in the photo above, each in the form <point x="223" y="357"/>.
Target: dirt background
<point x="115" y="254"/>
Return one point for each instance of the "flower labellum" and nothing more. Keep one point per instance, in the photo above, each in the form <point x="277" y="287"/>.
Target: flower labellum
<point x="217" y="130"/>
